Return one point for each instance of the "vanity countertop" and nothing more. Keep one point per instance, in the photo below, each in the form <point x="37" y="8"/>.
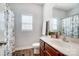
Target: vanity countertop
<point x="67" y="48"/>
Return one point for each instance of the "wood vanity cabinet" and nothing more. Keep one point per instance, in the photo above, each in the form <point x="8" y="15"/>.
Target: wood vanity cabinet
<point x="47" y="50"/>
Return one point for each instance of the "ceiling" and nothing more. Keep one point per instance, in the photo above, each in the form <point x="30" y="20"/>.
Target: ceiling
<point x="63" y="6"/>
<point x="40" y="4"/>
<point x="66" y="6"/>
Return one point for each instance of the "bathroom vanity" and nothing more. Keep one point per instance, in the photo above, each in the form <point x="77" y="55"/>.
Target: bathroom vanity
<point x="57" y="47"/>
<point x="48" y="50"/>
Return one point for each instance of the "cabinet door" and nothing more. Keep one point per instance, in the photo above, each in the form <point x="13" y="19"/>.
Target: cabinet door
<point x="51" y="50"/>
<point x="61" y="54"/>
<point x="42" y="47"/>
<point x="42" y="53"/>
<point x="42" y="44"/>
<point x="47" y="53"/>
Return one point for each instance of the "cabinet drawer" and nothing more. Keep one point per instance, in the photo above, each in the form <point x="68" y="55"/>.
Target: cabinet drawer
<point x="51" y="50"/>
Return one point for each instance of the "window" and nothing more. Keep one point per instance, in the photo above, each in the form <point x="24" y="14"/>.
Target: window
<point x="53" y="24"/>
<point x="26" y="23"/>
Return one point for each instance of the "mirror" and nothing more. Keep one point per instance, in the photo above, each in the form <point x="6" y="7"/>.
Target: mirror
<point x="65" y="19"/>
<point x="53" y="25"/>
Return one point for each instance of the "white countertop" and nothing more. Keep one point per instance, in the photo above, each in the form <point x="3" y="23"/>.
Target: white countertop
<point x="67" y="48"/>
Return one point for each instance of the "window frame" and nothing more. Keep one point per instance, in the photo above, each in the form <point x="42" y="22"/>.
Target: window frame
<point x="27" y="23"/>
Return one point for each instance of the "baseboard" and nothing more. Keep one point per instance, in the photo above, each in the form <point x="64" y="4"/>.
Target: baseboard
<point x="21" y="48"/>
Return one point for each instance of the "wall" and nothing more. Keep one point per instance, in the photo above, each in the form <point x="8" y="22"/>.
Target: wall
<point x="26" y="39"/>
<point x="73" y="11"/>
<point x="47" y="15"/>
<point x="59" y="13"/>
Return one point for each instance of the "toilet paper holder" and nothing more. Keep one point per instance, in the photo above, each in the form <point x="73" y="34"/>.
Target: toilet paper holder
<point x="2" y="43"/>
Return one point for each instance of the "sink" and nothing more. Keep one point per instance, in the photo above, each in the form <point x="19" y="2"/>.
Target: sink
<point x="66" y="41"/>
<point x="64" y="44"/>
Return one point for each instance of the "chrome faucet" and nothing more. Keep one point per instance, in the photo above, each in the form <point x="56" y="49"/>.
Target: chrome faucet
<point x="64" y="39"/>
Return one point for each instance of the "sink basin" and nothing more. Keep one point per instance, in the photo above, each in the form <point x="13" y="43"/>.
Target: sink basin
<point x="59" y="42"/>
<point x="64" y="44"/>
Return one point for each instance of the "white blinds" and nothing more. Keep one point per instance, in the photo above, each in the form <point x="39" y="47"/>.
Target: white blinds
<point x="26" y="23"/>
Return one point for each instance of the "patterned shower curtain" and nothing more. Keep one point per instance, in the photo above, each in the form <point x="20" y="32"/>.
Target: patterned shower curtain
<point x="7" y="29"/>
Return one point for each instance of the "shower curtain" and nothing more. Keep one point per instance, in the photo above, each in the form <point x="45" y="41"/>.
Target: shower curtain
<point x="6" y="30"/>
